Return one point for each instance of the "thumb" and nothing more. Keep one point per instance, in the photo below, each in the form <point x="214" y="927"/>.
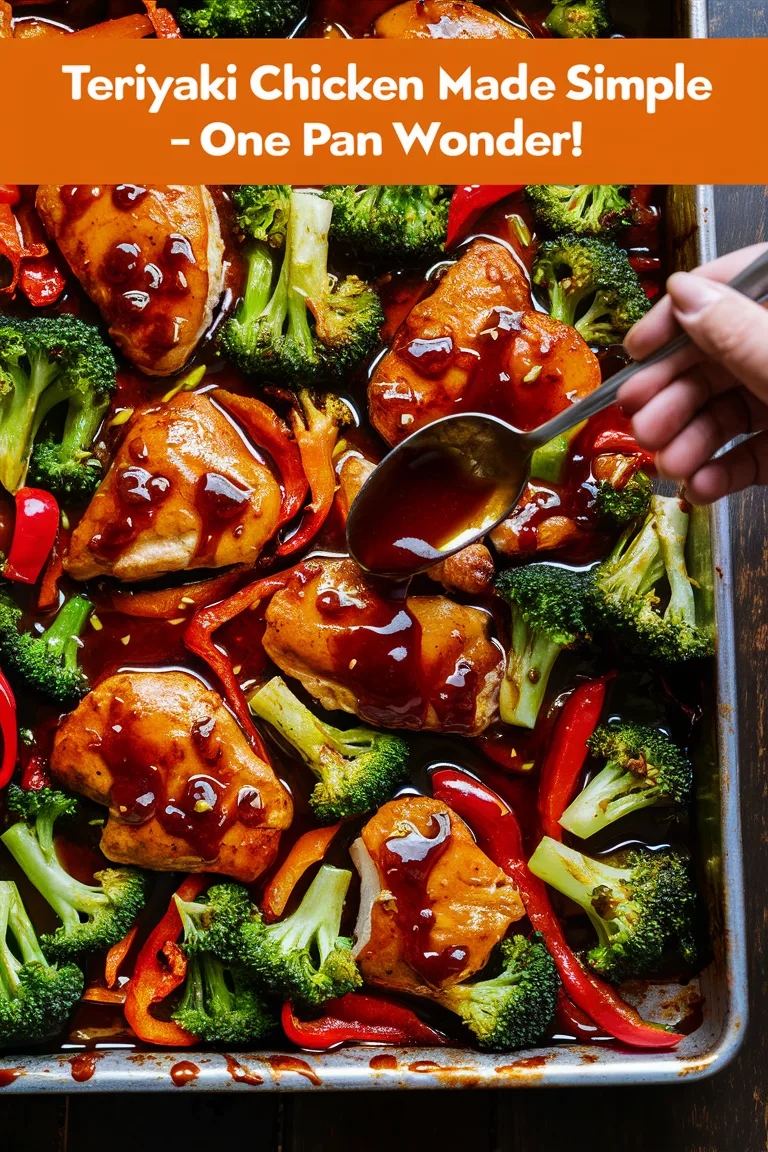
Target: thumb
<point x="725" y="325"/>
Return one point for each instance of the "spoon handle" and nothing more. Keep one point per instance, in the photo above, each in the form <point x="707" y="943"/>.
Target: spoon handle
<point x="751" y="281"/>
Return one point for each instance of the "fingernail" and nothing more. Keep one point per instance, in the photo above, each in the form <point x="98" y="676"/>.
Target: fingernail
<point x="693" y="294"/>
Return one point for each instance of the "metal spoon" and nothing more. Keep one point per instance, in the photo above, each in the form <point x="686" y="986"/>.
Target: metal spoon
<point x="454" y="480"/>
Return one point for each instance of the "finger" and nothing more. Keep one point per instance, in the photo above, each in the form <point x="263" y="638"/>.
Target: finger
<point x="732" y="414"/>
<point x="744" y="465"/>
<point x="725" y="325"/>
<point x="660" y="325"/>
<point x="649" y="382"/>
<point x="665" y="415"/>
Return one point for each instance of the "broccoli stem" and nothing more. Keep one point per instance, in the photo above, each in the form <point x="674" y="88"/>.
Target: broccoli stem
<point x="81" y="425"/>
<point x="638" y="570"/>
<point x="306" y="257"/>
<point x="9" y="964"/>
<point x="672" y="527"/>
<point x="531" y="659"/>
<point x="580" y="878"/>
<point x="205" y="987"/>
<point x="276" y="704"/>
<point x="35" y="853"/>
<point x="614" y="792"/>
<point x="63" y="635"/>
<point x="23" y="417"/>
<point x="318" y="917"/>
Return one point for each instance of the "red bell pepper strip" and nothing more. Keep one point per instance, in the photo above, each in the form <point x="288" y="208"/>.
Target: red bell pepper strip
<point x="48" y="594"/>
<point x="40" y="278"/>
<point x="198" y="637"/>
<point x="468" y="202"/>
<point x="132" y="27"/>
<point x="163" y="22"/>
<point x="35" y="775"/>
<point x="117" y="955"/>
<point x="9" y="194"/>
<point x="10" y="730"/>
<point x="609" y="432"/>
<point x="574" y="1022"/>
<point x="316" y="433"/>
<point x="360" y="1019"/>
<point x="268" y="431"/>
<point x="34" y="534"/>
<point x="11" y="250"/>
<point x="153" y="981"/>
<point x="498" y="834"/>
<point x="308" y="850"/>
<point x="567" y="752"/>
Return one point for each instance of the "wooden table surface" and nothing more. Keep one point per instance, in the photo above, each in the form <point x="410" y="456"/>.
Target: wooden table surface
<point x="728" y="1113"/>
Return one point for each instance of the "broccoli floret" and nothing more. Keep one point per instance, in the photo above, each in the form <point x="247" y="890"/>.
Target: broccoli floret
<point x="581" y="209"/>
<point x="357" y="770"/>
<point x="625" y="592"/>
<point x="640" y="911"/>
<point x="46" y="362"/>
<point x="404" y="223"/>
<point x="298" y="325"/>
<point x="513" y="1009"/>
<point x="46" y="662"/>
<point x="592" y="286"/>
<point x="36" y="998"/>
<point x="547" y="608"/>
<point x="92" y="915"/>
<point x="263" y="211"/>
<point x="220" y="1003"/>
<point x="579" y="19"/>
<point x="643" y="767"/>
<point x="303" y="957"/>
<point x="240" y="19"/>
<point x="623" y="505"/>
<point x="213" y="923"/>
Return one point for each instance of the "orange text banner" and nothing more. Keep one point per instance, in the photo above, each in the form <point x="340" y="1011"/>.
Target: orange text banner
<point x="378" y="111"/>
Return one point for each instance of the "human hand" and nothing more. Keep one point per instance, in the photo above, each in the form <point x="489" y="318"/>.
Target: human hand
<point x="688" y="407"/>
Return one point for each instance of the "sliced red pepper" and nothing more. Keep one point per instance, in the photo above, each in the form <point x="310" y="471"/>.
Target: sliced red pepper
<point x="498" y="834"/>
<point x="95" y="994"/>
<point x="48" y="596"/>
<point x="198" y="637"/>
<point x="360" y="1019"/>
<point x="35" y="530"/>
<point x="272" y="434"/>
<point x="316" y="433"/>
<point x="35" y="775"/>
<point x="168" y="603"/>
<point x="11" y="250"/>
<point x="308" y="850"/>
<point x="10" y="730"/>
<point x="132" y="27"/>
<point x="117" y="955"/>
<point x="609" y="432"/>
<point x="153" y="981"/>
<point x="34" y="534"/>
<point x="40" y="278"/>
<point x="567" y="752"/>
<point x="10" y="194"/>
<point x="468" y="203"/>
<point x="163" y="22"/>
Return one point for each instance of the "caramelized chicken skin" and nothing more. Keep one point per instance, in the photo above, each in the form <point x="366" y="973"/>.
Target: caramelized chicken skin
<point x="423" y="662"/>
<point x="436" y="349"/>
<point x="184" y="789"/>
<point x="183" y="491"/>
<point x="467" y="901"/>
<point x="444" y="20"/>
<point x="151" y="259"/>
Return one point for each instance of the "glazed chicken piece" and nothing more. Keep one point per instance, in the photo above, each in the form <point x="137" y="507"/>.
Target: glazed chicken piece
<point x="151" y="259"/>
<point x="184" y="789"/>
<point x="436" y="349"/>
<point x="544" y="518"/>
<point x="432" y="904"/>
<point x="444" y="20"/>
<point x="423" y="662"/>
<point x="183" y="492"/>
<point x="476" y="345"/>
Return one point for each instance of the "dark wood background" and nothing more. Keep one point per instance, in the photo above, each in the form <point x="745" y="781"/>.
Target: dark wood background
<point x="728" y="1113"/>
